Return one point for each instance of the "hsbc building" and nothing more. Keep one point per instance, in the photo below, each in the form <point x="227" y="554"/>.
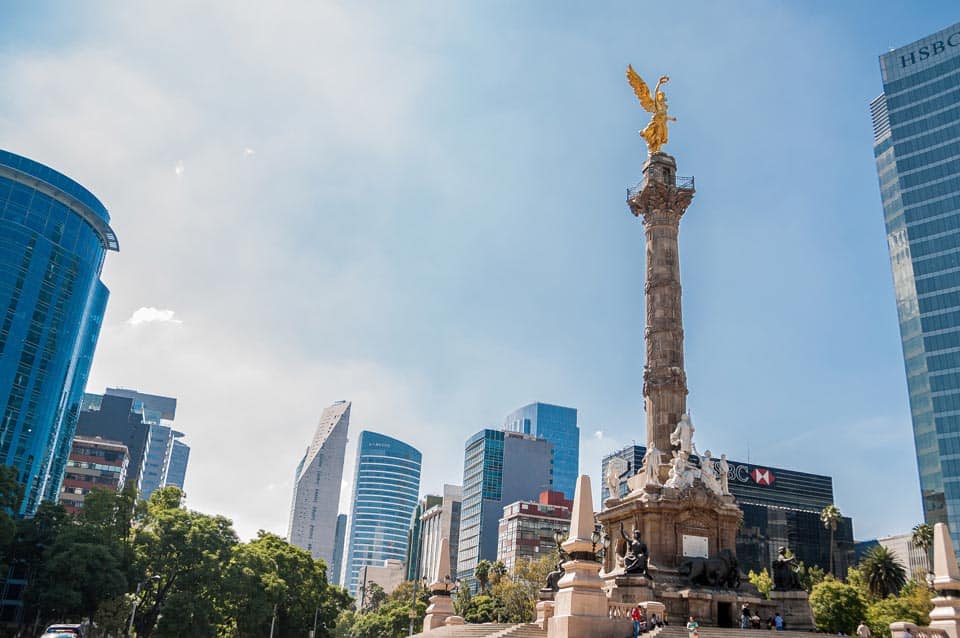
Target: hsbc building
<point x="780" y="508"/>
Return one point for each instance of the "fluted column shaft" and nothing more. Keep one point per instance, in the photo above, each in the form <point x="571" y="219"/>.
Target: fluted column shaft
<point x="661" y="204"/>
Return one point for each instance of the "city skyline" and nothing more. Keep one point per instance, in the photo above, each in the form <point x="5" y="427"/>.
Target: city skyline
<point x="441" y="246"/>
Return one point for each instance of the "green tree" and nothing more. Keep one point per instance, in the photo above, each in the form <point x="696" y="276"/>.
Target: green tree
<point x="79" y="571"/>
<point x="497" y="571"/>
<point x="268" y="575"/>
<point x="373" y="596"/>
<point x="513" y="601"/>
<point x="830" y="516"/>
<point x="922" y="538"/>
<point x="811" y="576"/>
<point x="181" y="556"/>
<point x="858" y="580"/>
<point x="482" y="573"/>
<point x="912" y="605"/>
<point x="483" y="609"/>
<point x="391" y="620"/>
<point x="463" y="600"/>
<point x="762" y="581"/>
<point x="836" y="607"/>
<point x="530" y="575"/>
<point x="11" y="493"/>
<point x="884" y="574"/>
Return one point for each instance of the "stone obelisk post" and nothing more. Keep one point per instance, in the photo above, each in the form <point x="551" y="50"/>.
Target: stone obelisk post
<point x="660" y="200"/>
<point x="441" y="612"/>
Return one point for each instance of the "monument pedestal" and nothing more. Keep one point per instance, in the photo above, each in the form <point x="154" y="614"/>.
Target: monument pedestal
<point x="669" y="518"/>
<point x="794" y="607"/>
<point x="629" y="588"/>
<point x="580" y="604"/>
<point x="545" y="609"/>
<point x="439" y="611"/>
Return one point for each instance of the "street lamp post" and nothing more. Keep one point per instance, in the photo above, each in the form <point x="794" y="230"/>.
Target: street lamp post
<point x="413" y="601"/>
<point x="273" y="619"/>
<point x="136" y="603"/>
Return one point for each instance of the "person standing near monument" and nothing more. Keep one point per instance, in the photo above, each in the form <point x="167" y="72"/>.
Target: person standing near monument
<point x="778" y="622"/>
<point x="863" y="631"/>
<point x="693" y="628"/>
<point x="636" y="615"/>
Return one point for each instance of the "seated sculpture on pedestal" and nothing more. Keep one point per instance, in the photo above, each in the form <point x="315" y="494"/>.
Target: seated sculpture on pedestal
<point x="785" y="576"/>
<point x="635" y="558"/>
<point x="553" y="578"/>
<point x="682" y="473"/>
<point x="722" y="570"/>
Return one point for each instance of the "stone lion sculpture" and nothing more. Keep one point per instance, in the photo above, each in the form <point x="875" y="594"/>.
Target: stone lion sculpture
<point x="721" y="570"/>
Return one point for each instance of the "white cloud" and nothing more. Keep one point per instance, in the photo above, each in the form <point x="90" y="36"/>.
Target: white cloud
<point x="178" y="168"/>
<point x="152" y="315"/>
<point x="598" y="434"/>
<point x="249" y="152"/>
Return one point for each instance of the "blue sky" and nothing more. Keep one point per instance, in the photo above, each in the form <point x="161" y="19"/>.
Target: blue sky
<point x="420" y="207"/>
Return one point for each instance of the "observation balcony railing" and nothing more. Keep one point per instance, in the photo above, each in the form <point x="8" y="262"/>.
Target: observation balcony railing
<point x="680" y="183"/>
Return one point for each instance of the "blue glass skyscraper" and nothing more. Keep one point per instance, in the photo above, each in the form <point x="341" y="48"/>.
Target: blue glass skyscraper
<point x="916" y="124"/>
<point x="54" y="235"/>
<point x="499" y="468"/>
<point x="558" y="425"/>
<point x="386" y="485"/>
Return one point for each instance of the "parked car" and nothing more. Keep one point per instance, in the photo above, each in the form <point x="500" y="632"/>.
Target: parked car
<point x="63" y="631"/>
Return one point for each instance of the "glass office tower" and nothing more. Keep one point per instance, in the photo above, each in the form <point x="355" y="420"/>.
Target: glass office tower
<point x="558" y="425"/>
<point x="386" y="485"/>
<point x="916" y="124"/>
<point x="499" y="468"/>
<point x="54" y="235"/>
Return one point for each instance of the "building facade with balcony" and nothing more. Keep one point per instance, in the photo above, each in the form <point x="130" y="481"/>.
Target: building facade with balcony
<point x="528" y="528"/>
<point x="94" y="463"/>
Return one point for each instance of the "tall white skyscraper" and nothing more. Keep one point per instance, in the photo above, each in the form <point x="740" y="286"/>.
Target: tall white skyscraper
<point x="316" y="486"/>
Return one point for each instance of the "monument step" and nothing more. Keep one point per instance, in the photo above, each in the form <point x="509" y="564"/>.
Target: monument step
<point x="486" y="630"/>
<point x="680" y="631"/>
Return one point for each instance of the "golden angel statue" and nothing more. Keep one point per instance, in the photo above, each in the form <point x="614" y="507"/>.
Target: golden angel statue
<point x="656" y="132"/>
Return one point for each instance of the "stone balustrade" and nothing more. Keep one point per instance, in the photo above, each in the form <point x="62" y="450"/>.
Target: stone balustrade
<point x="899" y="629"/>
<point x="618" y="610"/>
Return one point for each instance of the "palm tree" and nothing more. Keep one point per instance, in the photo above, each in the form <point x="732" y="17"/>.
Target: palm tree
<point x="830" y="516"/>
<point x="497" y="571"/>
<point x="883" y="572"/>
<point x="482" y="573"/>
<point x="923" y="539"/>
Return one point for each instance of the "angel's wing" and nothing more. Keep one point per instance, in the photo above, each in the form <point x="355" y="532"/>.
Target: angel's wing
<point x="641" y="89"/>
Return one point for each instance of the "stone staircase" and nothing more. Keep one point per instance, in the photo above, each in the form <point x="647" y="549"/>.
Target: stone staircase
<point x="489" y="630"/>
<point x="679" y="631"/>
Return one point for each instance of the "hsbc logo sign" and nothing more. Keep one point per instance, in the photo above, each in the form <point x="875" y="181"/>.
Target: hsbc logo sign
<point x="743" y="474"/>
<point x="761" y="476"/>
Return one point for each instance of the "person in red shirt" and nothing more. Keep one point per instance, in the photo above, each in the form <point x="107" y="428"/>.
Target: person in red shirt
<point x="637" y="615"/>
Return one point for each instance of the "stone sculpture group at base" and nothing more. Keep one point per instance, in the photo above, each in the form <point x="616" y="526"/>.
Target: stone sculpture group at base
<point x="785" y="572"/>
<point x="722" y="570"/>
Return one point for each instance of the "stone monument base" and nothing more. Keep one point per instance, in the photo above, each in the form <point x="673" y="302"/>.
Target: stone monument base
<point x="544" y="608"/>
<point x="440" y="612"/>
<point x="794" y="607"/>
<point x="589" y="627"/>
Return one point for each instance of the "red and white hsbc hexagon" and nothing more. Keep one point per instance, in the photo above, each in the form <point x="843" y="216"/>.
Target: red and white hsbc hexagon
<point x="762" y="476"/>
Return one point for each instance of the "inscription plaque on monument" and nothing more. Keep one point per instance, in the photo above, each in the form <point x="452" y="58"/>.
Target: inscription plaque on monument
<point x="695" y="546"/>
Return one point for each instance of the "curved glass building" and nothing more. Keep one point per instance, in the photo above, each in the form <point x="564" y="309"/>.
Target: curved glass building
<point x="916" y="124"/>
<point x="386" y="485"/>
<point x="54" y="235"/>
